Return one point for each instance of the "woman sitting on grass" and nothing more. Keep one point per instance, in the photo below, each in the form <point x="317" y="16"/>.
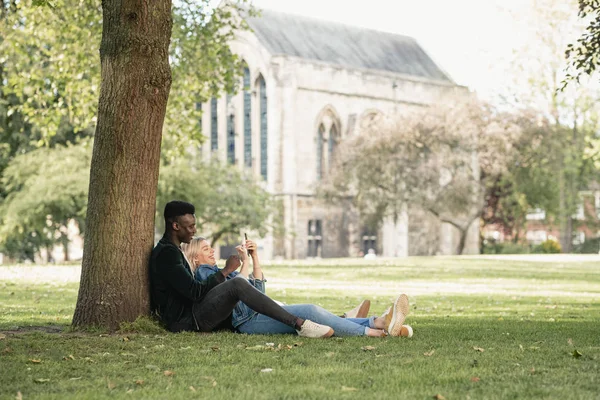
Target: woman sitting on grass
<point x="201" y="257"/>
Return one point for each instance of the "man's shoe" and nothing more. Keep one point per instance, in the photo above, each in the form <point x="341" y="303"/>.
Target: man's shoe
<point x="311" y="329"/>
<point x="395" y="318"/>
<point x="360" y="311"/>
<point x="406" y="331"/>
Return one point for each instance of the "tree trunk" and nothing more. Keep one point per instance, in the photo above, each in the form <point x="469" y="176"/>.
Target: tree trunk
<point x="119" y="229"/>
<point x="462" y="240"/>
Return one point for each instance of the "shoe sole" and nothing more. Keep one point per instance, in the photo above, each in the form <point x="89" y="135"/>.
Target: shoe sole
<point x="328" y="334"/>
<point x="363" y="310"/>
<point x="399" y="312"/>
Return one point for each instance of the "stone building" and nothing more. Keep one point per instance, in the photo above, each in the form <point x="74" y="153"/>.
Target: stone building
<point x="309" y="84"/>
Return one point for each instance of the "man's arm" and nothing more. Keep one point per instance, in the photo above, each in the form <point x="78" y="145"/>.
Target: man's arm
<point x="170" y="266"/>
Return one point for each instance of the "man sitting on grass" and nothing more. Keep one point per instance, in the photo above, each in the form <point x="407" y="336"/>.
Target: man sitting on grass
<point x="182" y="303"/>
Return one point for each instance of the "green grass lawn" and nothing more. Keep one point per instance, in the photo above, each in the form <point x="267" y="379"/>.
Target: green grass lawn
<point x="484" y="328"/>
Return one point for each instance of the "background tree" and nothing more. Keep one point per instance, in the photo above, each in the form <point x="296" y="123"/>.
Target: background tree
<point x="584" y="54"/>
<point x="48" y="190"/>
<point x="538" y="68"/>
<point x="227" y="200"/>
<point x="438" y="159"/>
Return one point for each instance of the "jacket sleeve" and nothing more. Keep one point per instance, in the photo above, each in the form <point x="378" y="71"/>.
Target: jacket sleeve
<point x="172" y="269"/>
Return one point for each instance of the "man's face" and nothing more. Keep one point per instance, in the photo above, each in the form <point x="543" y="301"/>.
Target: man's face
<point x="185" y="227"/>
<point x="206" y="254"/>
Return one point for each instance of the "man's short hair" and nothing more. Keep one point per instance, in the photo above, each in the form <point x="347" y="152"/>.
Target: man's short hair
<point x="177" y="208"/>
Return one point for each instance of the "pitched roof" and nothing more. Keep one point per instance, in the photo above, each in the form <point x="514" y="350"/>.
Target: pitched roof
<point x="343" y="45"/>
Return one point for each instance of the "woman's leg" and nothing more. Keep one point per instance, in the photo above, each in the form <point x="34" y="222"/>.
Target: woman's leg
<point x="261" y="324"/>
<point x="368" y="322"/>
<point x="221" y="300"/>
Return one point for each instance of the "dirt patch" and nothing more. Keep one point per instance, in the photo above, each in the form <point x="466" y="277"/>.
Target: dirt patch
<point x="29" y="329"/>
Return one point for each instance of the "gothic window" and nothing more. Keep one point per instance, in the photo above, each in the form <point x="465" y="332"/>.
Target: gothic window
<point x="262" y="89"/>
<point x="230" y="130"/>
<point x="315" y="238"/>
<point x="214" y="125"/>
<point x="320" y="139"/>
<point x="247" y="119"/>
<point x="333" y="141"/>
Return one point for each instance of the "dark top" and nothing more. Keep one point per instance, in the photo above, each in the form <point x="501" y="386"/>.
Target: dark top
<point x="173" y="288"/>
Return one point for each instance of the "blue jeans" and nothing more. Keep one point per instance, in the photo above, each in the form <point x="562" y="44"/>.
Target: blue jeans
<point x="262" y="325"/>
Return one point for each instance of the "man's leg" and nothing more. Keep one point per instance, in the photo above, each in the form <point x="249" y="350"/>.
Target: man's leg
<point x="221" y="300"/>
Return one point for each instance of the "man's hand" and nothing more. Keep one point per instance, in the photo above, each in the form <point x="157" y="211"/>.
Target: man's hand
<point x="232" y="263"/>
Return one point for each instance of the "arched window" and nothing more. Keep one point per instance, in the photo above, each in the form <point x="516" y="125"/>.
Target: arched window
<point x="262" y="92"/>
<point x="320" y="140"/>
<point x="214" y="125"/>
<point x="230" y="130"/>
<point x="247" y="119"/>
<point x="333" y="142"/>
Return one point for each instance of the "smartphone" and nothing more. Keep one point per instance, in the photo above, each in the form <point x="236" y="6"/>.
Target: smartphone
<point x="246" y="237"/>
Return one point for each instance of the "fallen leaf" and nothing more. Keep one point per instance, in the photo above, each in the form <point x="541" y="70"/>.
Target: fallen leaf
<point x="429" y="353"/>
<point x="215" y="348"/>
<point x="2" y="337"/>
<point x="214" y="383"/>
<point x="439" y="397"/>
<point x="267" y="370"/>
<point x="35" y="361"/>
<point x="41" y="380"/>
<point x="298" y="344"/>
<point x="570" y="341"/>
<point x="258" y="347"/>
<point x="129" y="391"/>
<point x="193" y="389"/>
<point x="7" y="350"/>
<point x="69" y="357"/>
<point x="76" y="378"/>
<point x="576" y="354"/>
<point x="185" y="348"/>
<point x="19" y="396"/>
<point x="152" y="367"/>
<point x="168" y="373"/>
<point x="270" y="344"/>
<point x="475" y="379"/>
<point x="139" y="382"/>
<point x="330" y="354"/>
<point x="349" y="389"/>
<point x="110" y="385"/>
<point x="479" y="349"/>
<point x="532" y="370"/>
<point x="368" y="348"/>
<point x="521" y="347"/>
<point x="125" y="339"/>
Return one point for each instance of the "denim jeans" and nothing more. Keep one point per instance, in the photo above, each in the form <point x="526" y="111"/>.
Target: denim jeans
<point x="261" y="324"/>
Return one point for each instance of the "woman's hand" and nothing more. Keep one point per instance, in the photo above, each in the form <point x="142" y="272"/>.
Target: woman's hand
<point x="242" y="253"/>
<point x="251" y="246"/>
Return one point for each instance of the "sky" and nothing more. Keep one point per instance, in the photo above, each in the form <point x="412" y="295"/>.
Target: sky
<point x="470" y="39"/>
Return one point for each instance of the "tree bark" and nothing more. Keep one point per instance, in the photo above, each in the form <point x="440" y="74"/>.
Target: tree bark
<point x="119" y="232"/>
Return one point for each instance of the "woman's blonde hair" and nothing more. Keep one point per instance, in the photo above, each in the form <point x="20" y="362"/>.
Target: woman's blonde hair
<point x="191" y="249"/>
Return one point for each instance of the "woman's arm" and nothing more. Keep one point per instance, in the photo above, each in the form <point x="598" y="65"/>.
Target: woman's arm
<point x="243" y="255"/>
<point x="256" y="269"/>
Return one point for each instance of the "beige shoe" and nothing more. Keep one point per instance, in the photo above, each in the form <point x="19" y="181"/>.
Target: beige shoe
<point x="395" y="318"/>
<point x="360" y="311"/>
<point x="311" y="329"/>
<point x="406" y="331"/>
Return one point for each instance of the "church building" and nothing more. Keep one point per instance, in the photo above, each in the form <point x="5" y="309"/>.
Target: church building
<point x="308" y="84"/>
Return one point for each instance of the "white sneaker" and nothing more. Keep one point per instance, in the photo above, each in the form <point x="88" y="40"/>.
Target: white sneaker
<point x="360" y="311"/>
<point x="395" y="318"/>
<point x="311" y="329"/>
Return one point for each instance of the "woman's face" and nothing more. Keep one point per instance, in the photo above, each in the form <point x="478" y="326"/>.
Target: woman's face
<point x="206" y="254"/>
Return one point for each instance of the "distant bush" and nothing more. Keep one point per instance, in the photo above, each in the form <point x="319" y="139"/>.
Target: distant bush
<point x="493" y="247"/>
<point x="548" y="247"/>
<point x="590" y="246"/>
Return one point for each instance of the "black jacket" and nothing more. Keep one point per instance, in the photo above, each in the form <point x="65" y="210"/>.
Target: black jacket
<point x="173" y="288"/>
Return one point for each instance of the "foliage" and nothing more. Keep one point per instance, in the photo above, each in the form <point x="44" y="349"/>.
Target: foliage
<point x="227" y="200"/>
<point x="51" y="65"/>
<point x="491" y="246"/>
<point x="590" y="246"/>
<point x="584" y="55"/>
<point x="511" y="317"/>
<point x="548" y="247"/>
<point x="47" y="188"/>
<point x="439" y="159"/>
